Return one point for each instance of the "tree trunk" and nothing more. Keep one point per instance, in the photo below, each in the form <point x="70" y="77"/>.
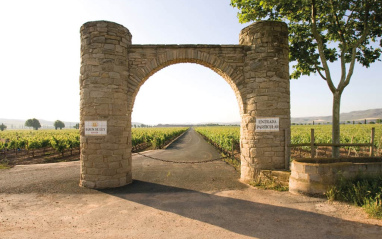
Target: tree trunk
<point x="336" y="123"/>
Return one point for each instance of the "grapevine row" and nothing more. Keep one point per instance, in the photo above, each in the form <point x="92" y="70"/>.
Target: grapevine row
<point x="63" y="140"/>
<point x="357" y="134"/>
<point x="225" y="137"/>
<point x="155" y="137"/>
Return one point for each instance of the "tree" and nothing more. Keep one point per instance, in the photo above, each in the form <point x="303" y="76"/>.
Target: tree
<point x="77" y="126"/>
<point x="34" y="123"/>
<point x="58" y="124"/>
<point x="3" y="127"/>
<point x="322" y="32"/>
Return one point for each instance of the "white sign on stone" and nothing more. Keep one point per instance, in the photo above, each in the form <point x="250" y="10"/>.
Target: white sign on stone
<point x="96" y="128"/>
<point x="267" y="124"/>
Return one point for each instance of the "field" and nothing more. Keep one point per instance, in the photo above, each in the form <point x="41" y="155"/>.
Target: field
<point x="29" y="146"/>
<point x="155" y="138"/>
<point x="356" y="134"/>
<point x="223" y="136"/>
<point x="41" y="146"/>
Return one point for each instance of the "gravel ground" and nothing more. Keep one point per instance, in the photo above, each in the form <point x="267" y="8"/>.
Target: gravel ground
<point x="167" y="201"/>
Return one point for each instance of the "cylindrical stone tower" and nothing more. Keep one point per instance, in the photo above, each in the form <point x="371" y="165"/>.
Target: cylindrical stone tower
<point x="104" y="130"/>
<point x="266" y="99"/>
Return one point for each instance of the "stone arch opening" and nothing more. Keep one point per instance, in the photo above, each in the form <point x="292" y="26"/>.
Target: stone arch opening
<point x="222" y="74"/>
<point x="182" y="54"/>
<point x="203" y="85"/>
<point x="113" y="69"/>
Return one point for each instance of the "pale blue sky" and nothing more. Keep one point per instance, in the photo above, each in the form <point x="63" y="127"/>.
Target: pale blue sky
<point x="40" y="61"/>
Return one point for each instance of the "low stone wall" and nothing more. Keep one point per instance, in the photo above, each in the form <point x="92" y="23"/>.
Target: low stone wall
<point x="316" y="176"/>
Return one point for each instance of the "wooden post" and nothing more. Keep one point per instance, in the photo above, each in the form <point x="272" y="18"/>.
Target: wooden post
<point x="287" y="149"/>
<point x="312" y="149"/>
<point x="350" y="146"/>
<point x="232" y="150"/>
<point x="372" y="142"/>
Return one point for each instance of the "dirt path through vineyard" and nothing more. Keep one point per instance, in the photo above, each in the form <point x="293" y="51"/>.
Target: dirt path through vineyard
<point x="167" y="200"/>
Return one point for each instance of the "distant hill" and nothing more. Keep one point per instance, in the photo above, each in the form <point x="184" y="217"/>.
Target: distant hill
<point x="357" y="116"/>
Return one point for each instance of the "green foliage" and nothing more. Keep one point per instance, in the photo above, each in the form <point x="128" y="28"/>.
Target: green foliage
<point x="337" y="21"/>
<point x="157" y="137"/>
<point x="269" y="184"/>
<point x="32" y="140"/>
<point x="59" y="144"/>
<point x="4" y="164"/>
<point x="59" y="124"/>
<point x="361" y="191"/>
<point x="321" y="32"/>
<point x="360" y="133"/>
<point x="33" y="145"/>
<point x="300" y="134"/>
<point x="70" y="138"/>
<point x="373" y="206"/>
<point x="34" y="123"/>
<point x="3" y="127"/>
<point x="224" y="136"/>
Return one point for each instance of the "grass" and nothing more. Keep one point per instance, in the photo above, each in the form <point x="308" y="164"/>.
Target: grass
<point x="233" y="162"/>
<point x="269" y="184"/>
<point x="365" y="192"/>
<point x="4" y="164"/>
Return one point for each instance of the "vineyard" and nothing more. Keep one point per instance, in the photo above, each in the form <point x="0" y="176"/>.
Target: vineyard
<point x="35" y="143"/>
<point x="224" y="136"/>
<point x="155" y="138"/>
<point x="226" y="139"/>
<point x="50" y="145"/>
<point x="350" y="134"/>
<point x="24" y="146"/>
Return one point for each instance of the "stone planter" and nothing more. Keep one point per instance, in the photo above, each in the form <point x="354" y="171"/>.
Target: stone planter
<point x="316" y="176"/>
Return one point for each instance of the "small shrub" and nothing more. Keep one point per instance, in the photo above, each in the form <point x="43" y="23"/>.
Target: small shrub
<point x="4" y="164"/>
<point x="361" y="191"/>
<point x="269" y="184"/>
<point x="373" y="206"/>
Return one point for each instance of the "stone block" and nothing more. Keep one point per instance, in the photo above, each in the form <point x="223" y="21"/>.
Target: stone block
<point x="108" y="171"/>
<point x="114" y="165"/>
<point x="310" y="169"/>
<point x="113" y="183"/>
<point x="87" y="184"/>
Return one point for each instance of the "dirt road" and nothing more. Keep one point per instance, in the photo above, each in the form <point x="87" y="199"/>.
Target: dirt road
<point x="167" y="201"/>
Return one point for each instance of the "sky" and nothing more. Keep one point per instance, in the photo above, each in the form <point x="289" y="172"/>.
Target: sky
<point x="40" y="62"/>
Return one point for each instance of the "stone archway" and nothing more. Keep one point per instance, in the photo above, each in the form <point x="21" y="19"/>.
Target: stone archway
<point x="113" y="70"/>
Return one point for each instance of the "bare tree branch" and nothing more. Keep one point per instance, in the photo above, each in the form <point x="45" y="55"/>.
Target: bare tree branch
<point x="344" y="43"/>
<point x="319" y="72"/>
<point x="337" y="22"/>
<point x="344" y="82"/>
<point x="321" y="48"/>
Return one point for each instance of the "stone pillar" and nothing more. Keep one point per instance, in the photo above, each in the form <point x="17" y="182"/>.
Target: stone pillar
<point x="266" y="95"/>
<point x="105" y="159"/>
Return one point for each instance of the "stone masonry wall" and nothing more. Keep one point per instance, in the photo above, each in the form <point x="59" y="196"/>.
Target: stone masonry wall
<point x="113" y="70"/>
<point x="317" y="178"/>
<point x="225" y="60"/>
<point x="105" y="160"/>
<point x="267" y="94"/>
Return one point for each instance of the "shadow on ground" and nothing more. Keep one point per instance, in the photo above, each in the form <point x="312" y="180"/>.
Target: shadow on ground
<point x="241" y="216"/>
